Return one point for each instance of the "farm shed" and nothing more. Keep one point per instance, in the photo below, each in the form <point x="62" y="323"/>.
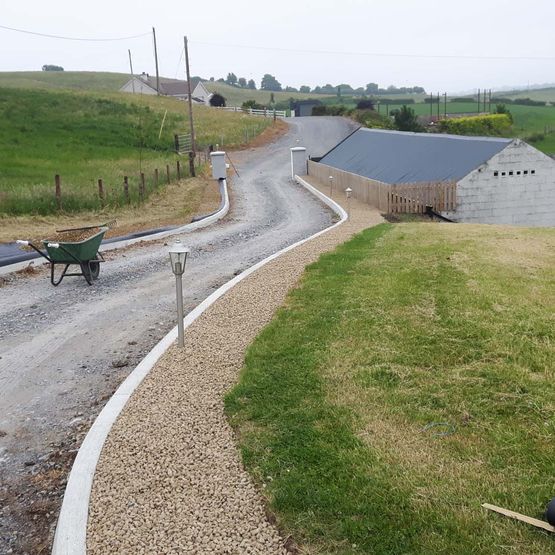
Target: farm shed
<point x="467" y="179"/>
<point x="304" y="107"/>
<point x="146" y="84"/>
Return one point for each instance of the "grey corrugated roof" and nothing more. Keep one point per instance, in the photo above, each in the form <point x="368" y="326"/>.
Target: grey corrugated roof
<point x="400" y="157"/>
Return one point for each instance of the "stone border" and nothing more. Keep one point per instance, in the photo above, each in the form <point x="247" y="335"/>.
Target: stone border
<point x="71" y="529"/>
<point x="198" y="224"/>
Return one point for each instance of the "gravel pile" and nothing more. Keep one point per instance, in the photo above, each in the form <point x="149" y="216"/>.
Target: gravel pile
<point x="170" y="478"/>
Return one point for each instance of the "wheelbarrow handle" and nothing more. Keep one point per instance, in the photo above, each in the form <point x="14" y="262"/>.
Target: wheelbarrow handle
<point x="53" y="245"/>
<point x="21" y="242"/>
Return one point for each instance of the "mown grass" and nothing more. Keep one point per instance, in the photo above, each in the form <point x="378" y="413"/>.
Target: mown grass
<point x="406" y="381"/>
<point x="84" y="137"/>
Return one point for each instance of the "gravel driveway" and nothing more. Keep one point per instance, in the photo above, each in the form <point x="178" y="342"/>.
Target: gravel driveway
<point x="64" y="350"/>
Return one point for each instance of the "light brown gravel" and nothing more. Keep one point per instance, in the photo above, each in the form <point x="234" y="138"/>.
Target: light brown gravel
<point x="170" y="478"/>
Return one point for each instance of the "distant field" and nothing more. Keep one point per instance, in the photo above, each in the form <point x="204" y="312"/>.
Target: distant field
<point x="78" y="80"/>
<point x="84" y="137"/>
<point x="547" y="94"/>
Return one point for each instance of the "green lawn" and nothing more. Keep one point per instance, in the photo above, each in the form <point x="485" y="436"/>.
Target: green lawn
<point x="87" y="136"/>
<point x="409" y="379"/>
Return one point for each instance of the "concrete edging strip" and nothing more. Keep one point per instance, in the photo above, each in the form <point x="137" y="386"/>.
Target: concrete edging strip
<point x="204" y="222"/>
<point x="71" y="528"/>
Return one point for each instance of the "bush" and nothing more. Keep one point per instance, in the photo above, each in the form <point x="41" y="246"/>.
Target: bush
<point x="365" y="104"/>
<point x="371" y="119"/>
<point x="333" y="110"/>
<point x="535" y="138"/>
<point x="406" y="120"/>
<point x="248" y="104"/>
<point x="494" y="124"/>
<point x="50" y="67"/>
<point x="217" y="100"/>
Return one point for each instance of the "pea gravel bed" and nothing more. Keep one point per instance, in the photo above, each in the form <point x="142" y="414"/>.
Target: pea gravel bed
<point x="170" y="478"/>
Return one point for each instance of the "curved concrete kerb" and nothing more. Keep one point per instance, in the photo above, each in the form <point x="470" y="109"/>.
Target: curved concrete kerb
<point x="71" y="530"/>
<point x="198" y="224"/>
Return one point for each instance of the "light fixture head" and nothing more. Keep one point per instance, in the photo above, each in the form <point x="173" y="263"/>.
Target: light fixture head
<point x="178" y="256"/>
<point x="348" y="192"/>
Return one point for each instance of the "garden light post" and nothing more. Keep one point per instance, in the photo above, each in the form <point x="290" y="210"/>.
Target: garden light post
<point x="178" y="256"/>
<point x="331" y="186"/>
<point x="348" y="192"/>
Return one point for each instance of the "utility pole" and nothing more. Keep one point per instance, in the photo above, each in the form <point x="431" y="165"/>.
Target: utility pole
<point x="478" y="101"/>
<point x="438" y="106"/>
<point x="445" y="105"/>
<point x="192" y="153"/>
<point x="490" y="101"/>
<point x="431" y="106"/>
<point x="131" y="68"/>
<point x="156" y="61"/>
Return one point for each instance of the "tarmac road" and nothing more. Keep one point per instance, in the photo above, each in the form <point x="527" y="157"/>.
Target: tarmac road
<point x="64" y="350"/>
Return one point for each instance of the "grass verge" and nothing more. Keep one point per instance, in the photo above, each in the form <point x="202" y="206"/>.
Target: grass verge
<point x="407" y="380"/>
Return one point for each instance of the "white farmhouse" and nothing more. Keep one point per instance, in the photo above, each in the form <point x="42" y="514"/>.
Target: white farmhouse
<point x="495" y="180"/>
<point x="146" y="84"/>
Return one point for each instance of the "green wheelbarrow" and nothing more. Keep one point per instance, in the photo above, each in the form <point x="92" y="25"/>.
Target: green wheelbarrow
<point x="82" y="253"/>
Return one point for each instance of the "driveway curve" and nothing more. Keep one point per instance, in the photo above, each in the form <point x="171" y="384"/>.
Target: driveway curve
<point x="64" y="350"/>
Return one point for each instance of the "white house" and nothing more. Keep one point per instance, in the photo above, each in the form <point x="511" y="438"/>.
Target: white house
<point x="496" y="180"/>
<point x="146" y="84"/>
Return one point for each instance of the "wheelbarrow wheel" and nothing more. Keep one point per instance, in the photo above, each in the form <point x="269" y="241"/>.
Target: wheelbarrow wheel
<point x="94" y="266"/>
<point x="90" y="270"/>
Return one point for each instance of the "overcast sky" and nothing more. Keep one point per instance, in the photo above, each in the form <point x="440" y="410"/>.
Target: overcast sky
<point x="301" y="43"/>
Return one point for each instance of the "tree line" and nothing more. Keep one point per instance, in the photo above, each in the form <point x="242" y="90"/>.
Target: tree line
<point x="270" y="83"/>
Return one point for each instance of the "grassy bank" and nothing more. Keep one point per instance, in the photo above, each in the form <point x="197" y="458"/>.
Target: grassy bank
<point x="84" y="137"/>
<point x="406" y="381"/>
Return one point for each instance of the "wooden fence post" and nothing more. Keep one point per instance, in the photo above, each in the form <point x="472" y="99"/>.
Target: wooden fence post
<point x="101" y="192"/>
<point x="168" y="172"/>
<point x="178" y="166"/>
<point x="156" y="178"/>
<point x="58" y="184"/>
<point x="126" y="189"/>
<point x="142" y="188"/>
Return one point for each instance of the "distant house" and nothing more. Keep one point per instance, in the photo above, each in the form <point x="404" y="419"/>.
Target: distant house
<point x="489" y="180"/>
<point x="146" y="84"/>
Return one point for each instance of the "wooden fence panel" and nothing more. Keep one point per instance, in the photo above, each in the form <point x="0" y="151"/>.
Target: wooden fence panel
<point x="404" y="198"/>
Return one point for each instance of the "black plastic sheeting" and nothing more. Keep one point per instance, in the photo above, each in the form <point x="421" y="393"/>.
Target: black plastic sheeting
<point x="399" y="157"/>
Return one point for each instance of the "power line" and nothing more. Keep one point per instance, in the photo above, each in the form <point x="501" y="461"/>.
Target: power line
<point x="71" y="38"/>
<point x="378" y="54"/>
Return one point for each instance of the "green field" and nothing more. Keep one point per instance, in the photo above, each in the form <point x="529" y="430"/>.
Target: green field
<point x="409" y="379"/>
<point x="74" y="80"/>
<point x="87" y="136"/>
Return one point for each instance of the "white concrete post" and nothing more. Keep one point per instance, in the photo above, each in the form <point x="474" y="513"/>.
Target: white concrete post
<point x="218" y="165"/>
<point x="298" y="161"/>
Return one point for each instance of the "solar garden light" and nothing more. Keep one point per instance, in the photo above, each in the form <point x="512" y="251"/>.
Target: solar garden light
<point x="178" y="256"/>
<point x="348" y="192"/>
<point x="331" y="185"/>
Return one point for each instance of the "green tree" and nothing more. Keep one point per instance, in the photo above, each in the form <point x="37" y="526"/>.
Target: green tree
<point x="270" y="83"/>
<point x="502" y="109"/>
<point x="406" y="120"/>
<point x="231" y="79"/>
<point x="242" y="82"/>
<point x="304" y="89"/>
<point x="50" y="67"/>
<point x="372" y="88"/>
<point x="251" y="84"/>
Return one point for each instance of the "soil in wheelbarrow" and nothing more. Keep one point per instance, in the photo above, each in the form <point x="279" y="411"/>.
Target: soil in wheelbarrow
<point x="73" y="236"/>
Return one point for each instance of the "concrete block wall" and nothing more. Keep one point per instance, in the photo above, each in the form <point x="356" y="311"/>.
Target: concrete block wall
<point x="500" y="192"/>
